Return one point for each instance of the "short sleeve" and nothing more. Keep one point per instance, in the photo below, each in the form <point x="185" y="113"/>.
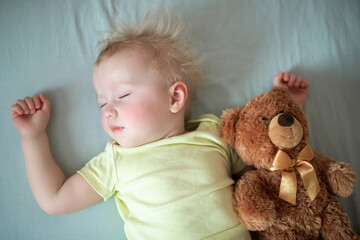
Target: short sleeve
<point x="236" y="163"/>
<point x="100" y="173"/>
<point x="212" y="124"/>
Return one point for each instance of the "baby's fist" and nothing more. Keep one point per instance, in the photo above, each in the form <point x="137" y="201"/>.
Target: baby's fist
<point x="31" y="114"/>
<point x="297" y="85"/>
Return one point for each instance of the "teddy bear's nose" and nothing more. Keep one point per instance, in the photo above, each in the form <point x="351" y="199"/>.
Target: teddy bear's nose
<point x="285" y="120"/>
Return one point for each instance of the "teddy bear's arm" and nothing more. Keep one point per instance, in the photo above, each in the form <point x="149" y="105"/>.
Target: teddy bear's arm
<point x="253" y="206"/>
<point x="339" y="176"/>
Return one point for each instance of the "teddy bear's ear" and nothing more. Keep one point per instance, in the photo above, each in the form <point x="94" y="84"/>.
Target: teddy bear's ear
<point x="229" y="119"/>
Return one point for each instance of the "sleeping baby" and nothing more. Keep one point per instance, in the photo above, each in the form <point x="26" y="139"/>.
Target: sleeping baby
<point x="172" y="178"/>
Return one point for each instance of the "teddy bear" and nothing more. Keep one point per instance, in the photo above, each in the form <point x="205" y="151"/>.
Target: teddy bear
<point x="290" y="193"/>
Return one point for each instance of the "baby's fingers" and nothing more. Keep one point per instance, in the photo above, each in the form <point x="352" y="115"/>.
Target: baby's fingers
<point x="278" y="79"/>
<point x="37" y="102"/>
<point x="22" y="104"/>
<point x="16" y="110"/>
<point x="27" y="106"/>
<point x="31" y="104"/>
<point x="292" y="79"/>
<point x="304" y="84"/>
<point x="298" y="81"/>
<point x="44" y="102"/>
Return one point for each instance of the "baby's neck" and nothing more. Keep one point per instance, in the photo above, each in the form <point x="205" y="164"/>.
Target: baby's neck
<point x="175" y="132"/>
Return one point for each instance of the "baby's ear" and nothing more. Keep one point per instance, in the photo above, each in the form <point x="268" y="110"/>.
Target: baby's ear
<point x="178" y="95"/>
<point x="229" y="119"/>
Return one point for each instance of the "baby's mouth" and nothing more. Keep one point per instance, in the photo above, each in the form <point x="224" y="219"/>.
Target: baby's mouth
<point x="116" y="128"/>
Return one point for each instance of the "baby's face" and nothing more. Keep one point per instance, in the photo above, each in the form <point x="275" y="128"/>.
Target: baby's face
<point x="135" y="105"/>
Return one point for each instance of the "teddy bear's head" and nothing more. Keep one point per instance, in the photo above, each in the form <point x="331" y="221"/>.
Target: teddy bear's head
<point x="269" y="122"/>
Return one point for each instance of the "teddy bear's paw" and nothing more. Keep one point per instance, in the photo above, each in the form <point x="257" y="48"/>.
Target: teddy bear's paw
<point x="256" y="222"/>
<point x="254" y="208"/>
<point x="341" y="179"/>
<point x="256" y="216"/>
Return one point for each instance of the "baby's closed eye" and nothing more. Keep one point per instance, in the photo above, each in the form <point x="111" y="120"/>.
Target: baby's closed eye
<point x="124" y="95"/>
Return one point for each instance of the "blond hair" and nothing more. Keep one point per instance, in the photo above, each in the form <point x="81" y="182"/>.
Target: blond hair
<point x="161" y="36"/>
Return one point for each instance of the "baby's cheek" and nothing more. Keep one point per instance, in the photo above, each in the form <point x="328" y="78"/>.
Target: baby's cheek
<point x="103" y="123"/>
<point x="140" y="116"/>
<point x="131" y="112"/>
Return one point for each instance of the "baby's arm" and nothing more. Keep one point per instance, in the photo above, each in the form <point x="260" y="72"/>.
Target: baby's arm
<point x="54" y="193"/>
<point x="297" y="85"/>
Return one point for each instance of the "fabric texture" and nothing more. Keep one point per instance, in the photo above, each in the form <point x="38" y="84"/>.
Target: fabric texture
<point x="175" y="188"/>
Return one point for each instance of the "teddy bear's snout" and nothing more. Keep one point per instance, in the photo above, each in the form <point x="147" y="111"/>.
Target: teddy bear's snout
<point x="285" y="131"/>
<point x="285" y="120"/>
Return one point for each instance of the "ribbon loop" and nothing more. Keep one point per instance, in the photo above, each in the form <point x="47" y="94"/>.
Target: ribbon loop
<point x="288" y="185"/>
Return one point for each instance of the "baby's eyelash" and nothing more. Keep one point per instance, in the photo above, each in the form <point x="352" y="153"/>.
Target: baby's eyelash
<point x="124" y="95"/>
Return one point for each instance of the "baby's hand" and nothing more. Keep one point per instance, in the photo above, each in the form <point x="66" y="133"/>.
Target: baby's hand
<point x="297" y="85"/>
<point x="31" y="115"/>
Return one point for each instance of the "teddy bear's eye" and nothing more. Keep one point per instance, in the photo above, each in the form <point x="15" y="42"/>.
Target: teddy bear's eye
<point x="264" y="119"/>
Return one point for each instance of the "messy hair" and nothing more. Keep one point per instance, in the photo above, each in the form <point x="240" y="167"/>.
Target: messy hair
<point x="161" y="36"/>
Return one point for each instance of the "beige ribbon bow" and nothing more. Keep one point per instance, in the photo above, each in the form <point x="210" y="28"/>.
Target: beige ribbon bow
<point x="288" y="185"/>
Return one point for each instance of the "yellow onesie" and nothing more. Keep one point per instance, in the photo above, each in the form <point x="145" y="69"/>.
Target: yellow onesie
<point x="174" y="188"/>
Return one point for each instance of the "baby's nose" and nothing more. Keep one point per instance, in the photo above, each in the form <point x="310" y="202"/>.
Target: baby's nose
<point x="110" y="112"/>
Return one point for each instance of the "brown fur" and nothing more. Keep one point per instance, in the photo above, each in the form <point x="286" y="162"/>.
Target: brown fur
<point x="256" y="199"/>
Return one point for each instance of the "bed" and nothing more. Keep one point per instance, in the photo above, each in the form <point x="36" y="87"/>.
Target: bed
<point x="50" y="47"/>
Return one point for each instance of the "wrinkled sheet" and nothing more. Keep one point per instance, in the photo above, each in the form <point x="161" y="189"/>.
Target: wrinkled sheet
<point x="50" y="46"/>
